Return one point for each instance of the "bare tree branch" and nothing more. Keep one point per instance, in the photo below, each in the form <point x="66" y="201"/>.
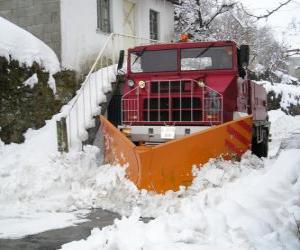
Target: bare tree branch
<point x="269" y="12"/>
<point x="222" y="9"/>
<point x="199" y="14"/>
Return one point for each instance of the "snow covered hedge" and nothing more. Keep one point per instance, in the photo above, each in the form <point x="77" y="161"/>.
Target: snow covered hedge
<point x="27" y="100"/>
<point x="283" y="92"/>
<point x="32" y="85"/>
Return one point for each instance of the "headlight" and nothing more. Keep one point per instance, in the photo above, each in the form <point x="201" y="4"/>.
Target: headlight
<point x="130" y="83"/>
<point x="201" y="83"/>
<point x="126" y="131"/>
<point x="142" y="84"/>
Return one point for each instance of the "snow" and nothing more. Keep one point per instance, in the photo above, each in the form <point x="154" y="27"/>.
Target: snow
<point x="82" y="109"/>
<point x="290" y="93"/>
<point x="254" y="211"/>
<point x="285" y="78"/>
<point x="230" y="205"/>
<point x="31" y="81"/>
<point x="21" y="45"/>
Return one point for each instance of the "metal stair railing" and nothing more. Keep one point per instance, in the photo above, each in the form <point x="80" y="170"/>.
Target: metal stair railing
<point x="78" y="115"/>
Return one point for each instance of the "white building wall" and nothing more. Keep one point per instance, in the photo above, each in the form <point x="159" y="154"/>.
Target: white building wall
<point x="166" y="18"/>
<point x="81" y="41"/>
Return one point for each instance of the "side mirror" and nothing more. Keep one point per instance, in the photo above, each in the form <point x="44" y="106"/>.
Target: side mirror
<point x="121" y="59"/>
<point x="244" y="52"/>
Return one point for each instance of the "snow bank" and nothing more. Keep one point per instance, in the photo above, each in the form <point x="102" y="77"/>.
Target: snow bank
<point x="255" y="211"/>
<point x="41" y="189"/>
<point x="37" y="182"/>
<point x="282" y="127"/>
<point x="26" y="48"/>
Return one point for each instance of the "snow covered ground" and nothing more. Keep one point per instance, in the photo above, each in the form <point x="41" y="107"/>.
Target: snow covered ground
<point x="231" y="205"/>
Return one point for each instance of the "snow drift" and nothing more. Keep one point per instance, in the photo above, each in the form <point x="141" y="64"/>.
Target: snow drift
<point x="251" y="202"/>
<point x="21" y="45"/>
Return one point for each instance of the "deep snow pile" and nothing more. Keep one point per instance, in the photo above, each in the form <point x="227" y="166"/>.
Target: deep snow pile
<point x="256" y="211"/>
<point x="26" y="48"/>
<point x="39" y="189"/>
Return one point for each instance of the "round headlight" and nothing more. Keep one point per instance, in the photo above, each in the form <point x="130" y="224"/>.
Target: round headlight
<point x="130" y="83"/>
<point x="201" y="84"/>
<point x="142" y="84"/>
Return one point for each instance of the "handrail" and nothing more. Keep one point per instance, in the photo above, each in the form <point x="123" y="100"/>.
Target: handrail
<point x="78" y="114"/>
<point x="92" y="69"/>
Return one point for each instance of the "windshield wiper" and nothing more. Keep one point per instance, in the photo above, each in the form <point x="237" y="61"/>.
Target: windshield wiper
<point x="138" y="55"/>
<point x="205" y="50"/>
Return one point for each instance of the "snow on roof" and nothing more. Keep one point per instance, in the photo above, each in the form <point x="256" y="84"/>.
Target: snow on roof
<point x="25" y="47"/>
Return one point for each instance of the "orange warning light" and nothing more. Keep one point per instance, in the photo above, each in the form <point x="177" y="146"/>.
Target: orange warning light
<point x="184" y="37"/>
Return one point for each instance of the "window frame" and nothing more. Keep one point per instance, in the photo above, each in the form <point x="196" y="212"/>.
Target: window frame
<point x="104" y="24"/>
<point x="152" y="28"/>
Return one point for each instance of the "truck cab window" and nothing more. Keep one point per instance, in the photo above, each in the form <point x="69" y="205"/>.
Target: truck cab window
<point x="206" y="58"/>
<point x="153" y="61"/>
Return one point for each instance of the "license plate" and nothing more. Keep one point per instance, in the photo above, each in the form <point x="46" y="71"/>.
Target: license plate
<point x="167" y="132"/>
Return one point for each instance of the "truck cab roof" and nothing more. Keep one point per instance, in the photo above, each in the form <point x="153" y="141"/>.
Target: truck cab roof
<point x="179" y="45"/>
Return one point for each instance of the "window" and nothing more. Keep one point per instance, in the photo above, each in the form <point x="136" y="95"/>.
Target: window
<point x="153" y="61"/>
<point x="154" y="25"/>
<point x="206" y="58"/>
<point x="103" y="11"/>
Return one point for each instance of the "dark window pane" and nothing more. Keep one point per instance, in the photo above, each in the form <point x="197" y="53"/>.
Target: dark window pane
<point x="154" y="61"/>
<point x="103" y="11"/>
<point x="153" y="25"/>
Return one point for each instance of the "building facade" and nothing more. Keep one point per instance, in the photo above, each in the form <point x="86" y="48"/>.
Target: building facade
<point x="77" y="29"/>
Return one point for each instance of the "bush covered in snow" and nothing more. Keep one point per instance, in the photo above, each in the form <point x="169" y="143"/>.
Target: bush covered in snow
<point x="27" y="99"/>
<point x="283" y="92"/>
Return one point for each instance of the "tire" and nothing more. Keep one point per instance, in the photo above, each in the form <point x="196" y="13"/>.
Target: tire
<point x="261" y="149"/>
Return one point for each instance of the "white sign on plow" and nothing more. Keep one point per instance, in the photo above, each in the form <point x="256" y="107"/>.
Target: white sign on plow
<point x="167" y="132"/>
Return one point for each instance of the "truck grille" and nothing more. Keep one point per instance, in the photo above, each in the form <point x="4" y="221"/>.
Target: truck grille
<point x="170" y="86"/>
<point x="172" y="102"/>
<point x="165" y="109"/>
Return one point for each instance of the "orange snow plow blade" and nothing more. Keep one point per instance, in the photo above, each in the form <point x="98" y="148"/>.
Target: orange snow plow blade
<point x="169" y="165"/>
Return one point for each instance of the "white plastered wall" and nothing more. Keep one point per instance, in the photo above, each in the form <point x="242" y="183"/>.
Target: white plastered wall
<point x="166" y="18"/>
<point x="81" y="41"/>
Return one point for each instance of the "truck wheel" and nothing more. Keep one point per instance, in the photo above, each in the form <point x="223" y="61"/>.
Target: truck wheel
<point x="261" y="149"/>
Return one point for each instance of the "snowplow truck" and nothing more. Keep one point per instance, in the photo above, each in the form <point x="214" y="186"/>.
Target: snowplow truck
<point x="180" y="104"/>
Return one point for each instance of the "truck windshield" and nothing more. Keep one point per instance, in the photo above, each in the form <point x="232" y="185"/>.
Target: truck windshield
<point x="153" y="61"/>
<point x="206" y="58"/>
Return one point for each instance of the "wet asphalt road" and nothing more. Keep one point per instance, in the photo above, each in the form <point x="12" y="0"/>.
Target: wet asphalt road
<point x="54" y="239"/>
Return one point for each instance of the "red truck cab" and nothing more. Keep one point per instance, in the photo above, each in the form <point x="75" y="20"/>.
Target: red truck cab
<point x="188" y="87"/>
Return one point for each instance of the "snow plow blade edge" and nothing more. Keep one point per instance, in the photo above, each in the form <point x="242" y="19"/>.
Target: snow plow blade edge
<point x="169" y="165"/>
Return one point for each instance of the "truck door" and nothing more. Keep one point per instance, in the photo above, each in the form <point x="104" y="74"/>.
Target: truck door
<point x="242" y="99"/>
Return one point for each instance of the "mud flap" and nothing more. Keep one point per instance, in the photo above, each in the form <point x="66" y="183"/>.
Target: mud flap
<point x="169" y="165"/>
